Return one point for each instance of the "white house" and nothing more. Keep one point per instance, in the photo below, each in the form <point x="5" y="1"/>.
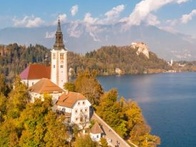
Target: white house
<point x="96" y="132"/>
<point x="45" y="86"/>
<point x="76" y="107"/>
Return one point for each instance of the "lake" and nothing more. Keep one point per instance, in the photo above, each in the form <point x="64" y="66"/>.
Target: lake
<point x="168" y="103"/>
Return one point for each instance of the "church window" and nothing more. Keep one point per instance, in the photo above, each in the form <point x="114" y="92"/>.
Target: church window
<point x="83" y="103"/>
<point x="53" y="66"/>
<point x="61" y="56"/>
<point x="78" y="103"/>
<point x="53" y="55"/>
<point x="76" y="111"/>
<point x="61" y="66"/>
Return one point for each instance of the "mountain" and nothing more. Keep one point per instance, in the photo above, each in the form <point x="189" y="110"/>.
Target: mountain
<point x="83" y="38"/>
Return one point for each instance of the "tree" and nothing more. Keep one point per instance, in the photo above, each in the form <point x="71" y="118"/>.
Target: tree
<point x="56" y="132"/>
<point x="104" y="142"/>
<point x="3" y="87"/>
<point x="87" y="84"/>
<point x="111" y="112"/>
<point x="9" y="133"/>
<point x="69" y="86"/>
<point x="126" y="118"/>
<point x="18" y="98"/>
<point x="3" y="100"/>
<point x="41" y="126"/>
<point x="84" y="141"/>
<point x="133" y="114"/>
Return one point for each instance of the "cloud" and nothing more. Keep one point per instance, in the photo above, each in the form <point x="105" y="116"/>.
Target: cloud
<point x="144" y="12"/>
<point x="50" y="35"/>
<point x="115" y="11"/>
<point x="188" y="17"/>
<point x="152" y="20"/>
<point x="169" y="29"/>
<point x="92" y="24"/>
<point x="182" y="1"/>
<point x="74" y="30"/>
<point x="112" y="15"/>
<point x="170" y="24"/>
<point x="91" y="28"/>
<point x="173" y="22"/>
<point x="89" y="19"/>
<point x="74" y="10"/>
<point x="28" y="21"/>
<point x="62" y="17"/>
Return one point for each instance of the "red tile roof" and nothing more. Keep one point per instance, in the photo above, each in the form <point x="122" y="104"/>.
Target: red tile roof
<point x="69" y="99"/>
<point x="35" y="71"/>
<point x="45" y="86"/>
<point x="96" y="129"/>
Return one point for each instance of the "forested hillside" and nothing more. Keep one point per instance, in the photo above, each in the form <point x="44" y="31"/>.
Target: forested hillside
<point x="108" y="58"/>
<point x="14" y="58"/>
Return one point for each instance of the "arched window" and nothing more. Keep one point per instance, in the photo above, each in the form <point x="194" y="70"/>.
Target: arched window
<point x="53" y="56"/>
<point x="61" y="56"/>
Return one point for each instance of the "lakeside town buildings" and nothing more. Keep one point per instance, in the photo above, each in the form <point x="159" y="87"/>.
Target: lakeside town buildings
<point x="42" y="79"/>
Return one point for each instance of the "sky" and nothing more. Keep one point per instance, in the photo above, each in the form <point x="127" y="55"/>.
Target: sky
<point x="171" y="15"/>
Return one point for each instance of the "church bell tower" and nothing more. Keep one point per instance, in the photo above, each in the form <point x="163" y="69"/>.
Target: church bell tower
<point x="59" y="74"/>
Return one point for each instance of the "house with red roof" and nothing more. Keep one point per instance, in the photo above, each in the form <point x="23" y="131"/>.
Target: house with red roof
<point x="33" y="73"/>
<point x="76" y="107"/>
<point x="45" y="86"/>
<point x="96" y="132"/>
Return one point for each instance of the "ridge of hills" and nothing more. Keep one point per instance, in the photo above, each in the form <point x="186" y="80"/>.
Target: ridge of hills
<point x="111" y="60"/>
<point x="107" y="60"/>
<point x="79" y="38"/>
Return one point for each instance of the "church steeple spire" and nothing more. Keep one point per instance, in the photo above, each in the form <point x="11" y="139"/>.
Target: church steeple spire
<point x="59" y="74"/>
<point x="59" y="38"/>
<point x="59" y="26"/>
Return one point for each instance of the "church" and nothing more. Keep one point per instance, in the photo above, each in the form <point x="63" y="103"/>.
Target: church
<point x="42" y="79"/>
<point x="56" y="72"/>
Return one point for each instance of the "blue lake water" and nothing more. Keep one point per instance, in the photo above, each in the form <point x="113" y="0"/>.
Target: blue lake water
<point x="168" y="103"/>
